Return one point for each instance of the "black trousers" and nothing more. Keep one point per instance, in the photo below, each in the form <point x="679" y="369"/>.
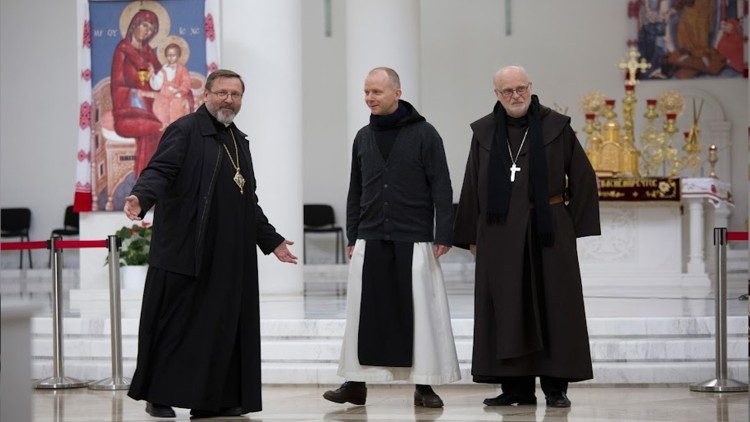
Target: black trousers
<point x="525" y="385"/>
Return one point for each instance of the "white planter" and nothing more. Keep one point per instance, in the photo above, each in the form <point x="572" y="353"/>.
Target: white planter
<point x="133" y="277"/>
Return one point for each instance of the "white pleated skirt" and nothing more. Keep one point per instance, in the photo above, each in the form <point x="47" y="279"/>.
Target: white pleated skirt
<point x="435" y="361"/>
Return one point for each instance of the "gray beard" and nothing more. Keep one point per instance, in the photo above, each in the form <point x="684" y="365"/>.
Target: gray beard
<point x="225" y="116"/>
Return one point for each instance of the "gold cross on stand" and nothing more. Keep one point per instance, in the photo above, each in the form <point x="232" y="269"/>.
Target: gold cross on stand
<point x="633" y="65"/>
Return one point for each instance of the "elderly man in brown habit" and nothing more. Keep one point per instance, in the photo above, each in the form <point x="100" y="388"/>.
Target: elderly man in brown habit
<point x="528" y="192"/>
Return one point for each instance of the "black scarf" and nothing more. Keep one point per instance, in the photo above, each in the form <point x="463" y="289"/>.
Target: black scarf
<point x="498" y="174"/>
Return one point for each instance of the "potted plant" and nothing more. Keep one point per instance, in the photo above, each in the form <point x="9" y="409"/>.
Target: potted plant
<point x="136" y="243"/>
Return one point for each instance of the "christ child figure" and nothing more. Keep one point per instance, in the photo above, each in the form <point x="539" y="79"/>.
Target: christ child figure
<point x="174" y="99"/>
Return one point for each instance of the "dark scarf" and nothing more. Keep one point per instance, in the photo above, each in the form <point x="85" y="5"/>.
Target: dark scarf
<point x="498" y="174"/>
<point x="390" y="121"/>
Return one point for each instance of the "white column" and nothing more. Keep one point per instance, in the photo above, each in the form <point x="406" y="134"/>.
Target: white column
<point x="380" y="33"/>
<point x="695" y="264"/>
<point x="261" y="41"/>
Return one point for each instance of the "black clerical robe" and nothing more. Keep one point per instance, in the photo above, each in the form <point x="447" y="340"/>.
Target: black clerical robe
<point x="529" y="316"/>
<point x="199" y="336"/>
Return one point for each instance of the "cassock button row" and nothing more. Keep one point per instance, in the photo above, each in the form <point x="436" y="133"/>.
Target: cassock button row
<point x="385" y="186"/>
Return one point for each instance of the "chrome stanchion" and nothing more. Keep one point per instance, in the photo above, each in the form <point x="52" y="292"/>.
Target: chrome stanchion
<point x="58" y="380"/>
<point x="720" y="384"/>
<point x="117" y="381"/>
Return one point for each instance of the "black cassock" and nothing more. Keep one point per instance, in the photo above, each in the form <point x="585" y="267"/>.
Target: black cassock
<point x="529" y="317"/>
<point x="199" y="338"/>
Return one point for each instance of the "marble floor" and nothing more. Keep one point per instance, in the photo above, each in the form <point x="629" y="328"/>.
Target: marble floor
<point x="393" y="403"/>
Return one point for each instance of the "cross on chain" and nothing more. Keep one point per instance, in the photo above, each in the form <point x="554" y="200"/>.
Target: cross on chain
<point x="513" y="169"/>
<point x="633" y="65"/>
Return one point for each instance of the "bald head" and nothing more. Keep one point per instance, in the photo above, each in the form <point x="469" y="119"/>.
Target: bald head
<point x="513" y="90"/>
<point x="387" y="73"/>
<point x="512" y="71"/>
<point x="382" y="90"/>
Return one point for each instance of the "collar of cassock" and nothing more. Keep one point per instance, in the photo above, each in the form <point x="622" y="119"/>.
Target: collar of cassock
<point x="499" y="186"/>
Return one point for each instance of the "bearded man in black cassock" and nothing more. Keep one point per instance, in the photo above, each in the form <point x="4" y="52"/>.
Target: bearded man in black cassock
<point x="528" y="192"/>
<point x="199" y="336"/>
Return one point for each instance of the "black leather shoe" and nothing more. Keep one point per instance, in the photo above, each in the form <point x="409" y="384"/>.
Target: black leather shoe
<point x="225" y="411"/>
<point x="424" y="396"/>
<point x="349" y="392"/>
<point x="509" y="399"/>
<point x="159" y="410"/>
<point x="558" y="400"/>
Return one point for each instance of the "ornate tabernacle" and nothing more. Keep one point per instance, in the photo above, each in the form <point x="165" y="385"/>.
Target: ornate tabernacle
<point x="611" y="145"/>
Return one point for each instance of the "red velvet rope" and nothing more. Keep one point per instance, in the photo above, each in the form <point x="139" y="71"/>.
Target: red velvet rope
<point x="74" y="244"/>
<point x="18" y="246"/>
<point x="60" y="244"/>
<point x="736" y="236"/>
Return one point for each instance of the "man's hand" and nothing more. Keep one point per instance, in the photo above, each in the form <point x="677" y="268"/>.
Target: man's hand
<point x="473" y="249"/>
<point x="283" y="253"/>
<point x="440" y="250"/>
<point x="132" y="207"/>
<point x="350" y="251"/>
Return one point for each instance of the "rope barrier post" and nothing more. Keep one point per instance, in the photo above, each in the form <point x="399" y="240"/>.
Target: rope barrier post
<point x="58" y="379"/>
<point x="720" y="384"/>
<point x="117" y="381"/>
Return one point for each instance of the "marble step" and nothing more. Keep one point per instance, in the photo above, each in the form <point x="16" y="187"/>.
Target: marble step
<point x="624" y="350"/>
<point x="328" y="350"/>
<point x="462" y="327"/>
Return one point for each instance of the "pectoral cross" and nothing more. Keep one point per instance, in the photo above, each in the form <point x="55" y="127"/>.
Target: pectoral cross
<point x="633" y="65"/>
<point x="513" y="169"/>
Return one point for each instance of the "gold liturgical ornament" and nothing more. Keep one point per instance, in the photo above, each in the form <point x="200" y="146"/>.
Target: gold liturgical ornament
<point x="633" y="65"/>
<point x="610" y="145"/>
<point x="238" y="179"/>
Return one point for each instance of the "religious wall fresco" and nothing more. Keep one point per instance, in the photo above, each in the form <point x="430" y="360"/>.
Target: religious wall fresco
<point x="685" y="39"/>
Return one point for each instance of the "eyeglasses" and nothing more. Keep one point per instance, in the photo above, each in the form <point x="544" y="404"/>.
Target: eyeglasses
<point x="508" y="92"/>
<point x="224" y="94"/>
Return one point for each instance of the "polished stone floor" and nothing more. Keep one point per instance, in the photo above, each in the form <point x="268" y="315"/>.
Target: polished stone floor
<point x="394" y="403"/>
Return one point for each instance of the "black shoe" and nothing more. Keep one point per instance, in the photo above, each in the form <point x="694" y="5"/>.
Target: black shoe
<point x="558" y="400"/>
<point x="159" y="410"/>
<point x="225" y="411"/>
<point x="424" y="396"/>
<point x="349" y="392"/>
<point x="509" y="399"/>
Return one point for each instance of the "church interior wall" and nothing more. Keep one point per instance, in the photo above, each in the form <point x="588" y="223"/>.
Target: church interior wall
<point x="569" y="48"/>
<point x="326" y="148"/>
<point x="38" y="112"/>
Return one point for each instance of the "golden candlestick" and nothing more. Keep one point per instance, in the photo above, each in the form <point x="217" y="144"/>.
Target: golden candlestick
<point x="670" y="156"/>
<point x="713" y="157"/>
<point x="593" y="141"/>
<point x="649" y="139"/>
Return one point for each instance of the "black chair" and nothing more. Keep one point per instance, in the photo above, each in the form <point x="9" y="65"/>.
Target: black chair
<point x="319" y="218"/>
<point x="70" y="223"/>
<point x="15" y="222"/>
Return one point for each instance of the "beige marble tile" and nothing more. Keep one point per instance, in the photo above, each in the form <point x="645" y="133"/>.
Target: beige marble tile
<point x="394" y="403"/>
